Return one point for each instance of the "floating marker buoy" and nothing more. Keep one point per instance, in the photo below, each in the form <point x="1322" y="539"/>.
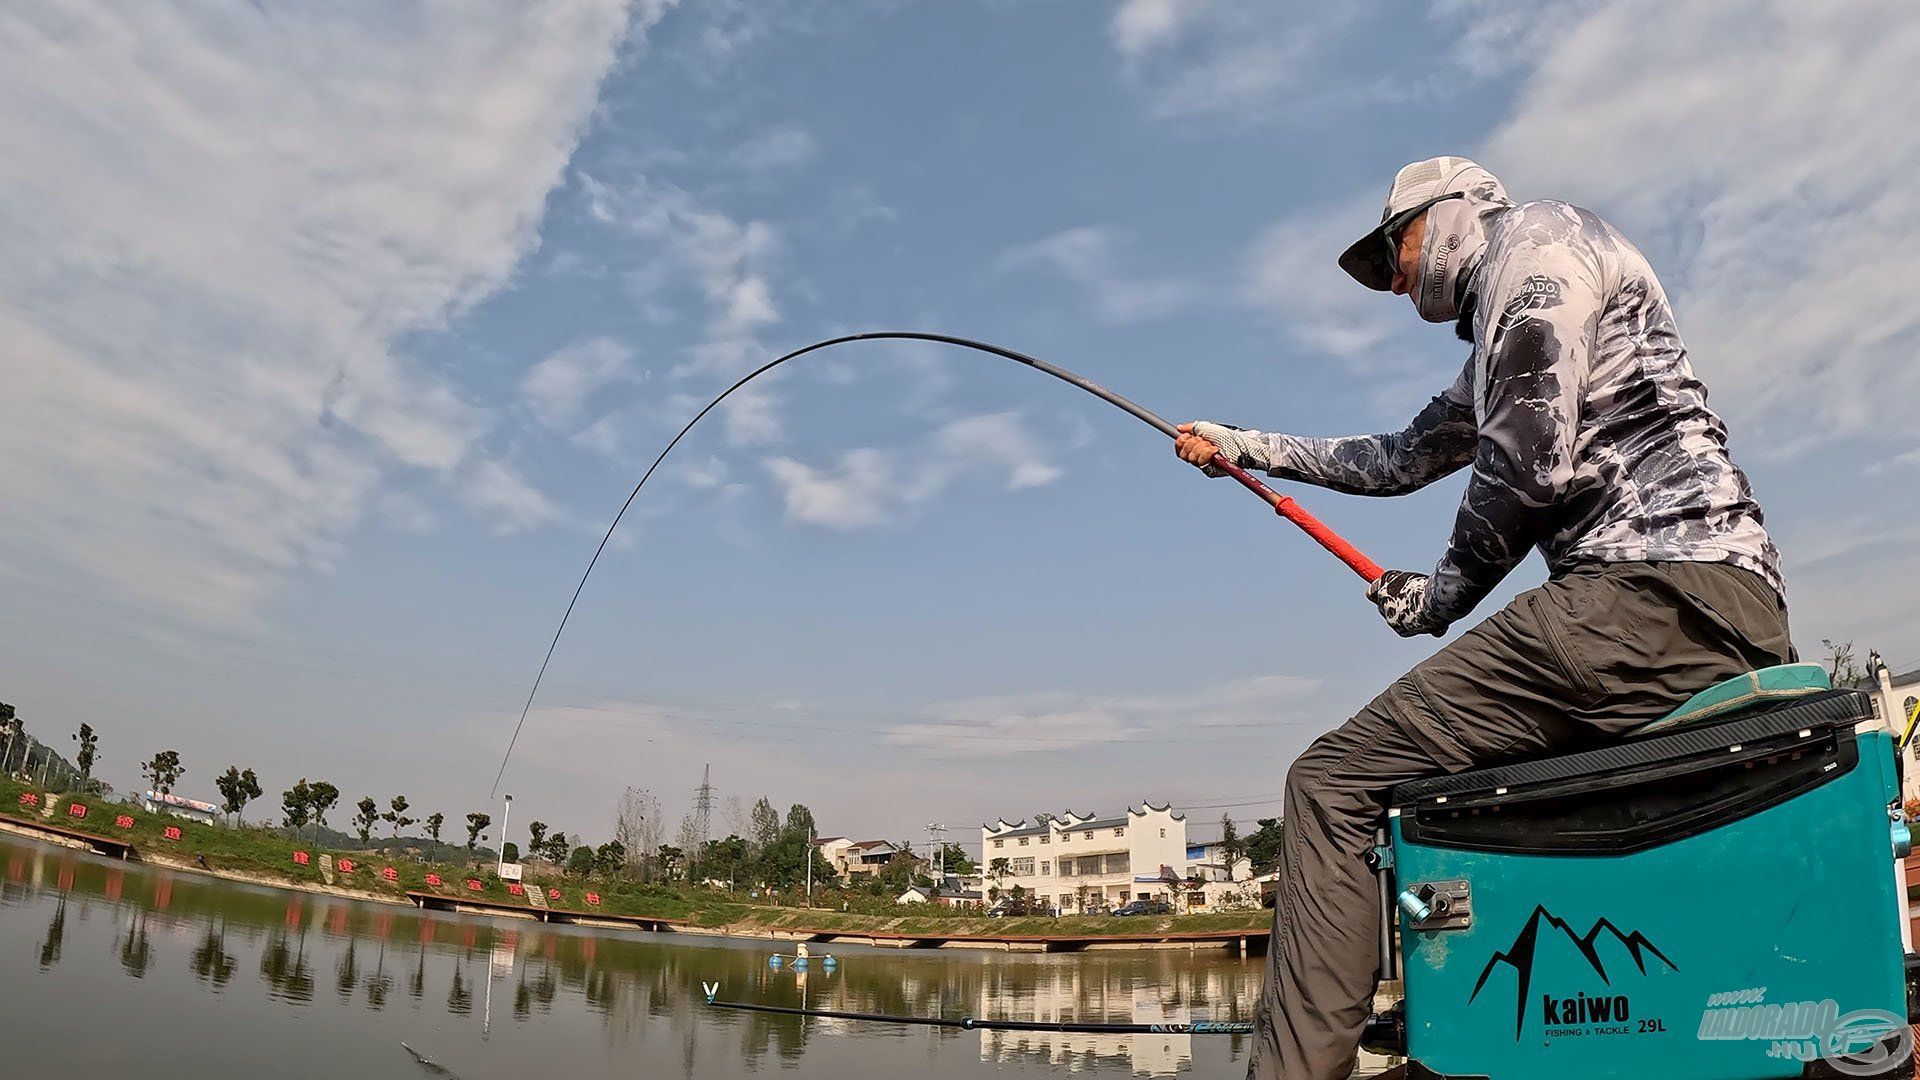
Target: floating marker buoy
<point x="774" y="960"/>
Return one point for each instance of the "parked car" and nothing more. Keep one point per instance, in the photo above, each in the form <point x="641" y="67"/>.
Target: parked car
<point x="1144" y="907"/>
<point x="1008" y="909"/>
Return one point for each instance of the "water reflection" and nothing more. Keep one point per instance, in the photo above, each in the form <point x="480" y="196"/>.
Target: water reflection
<point x="197" y="937"/>
<point x="212" y="964"/>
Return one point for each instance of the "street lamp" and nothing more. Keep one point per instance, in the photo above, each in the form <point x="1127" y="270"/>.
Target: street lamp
<point x="501" y="869"/>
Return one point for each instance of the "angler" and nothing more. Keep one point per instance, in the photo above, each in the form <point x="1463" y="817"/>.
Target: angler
<point x="1588" y="436"/>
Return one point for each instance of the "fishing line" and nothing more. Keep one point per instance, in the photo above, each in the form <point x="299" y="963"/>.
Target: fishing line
<point x="1282" y="505"/>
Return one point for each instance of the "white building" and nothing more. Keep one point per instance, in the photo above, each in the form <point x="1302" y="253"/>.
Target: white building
<point x="1080" y="862"/>
<point x="160" y="802"/>
<point x="1895" y="697"/>
<point x="1220" y="887"/>
<point x="831" y="851"/>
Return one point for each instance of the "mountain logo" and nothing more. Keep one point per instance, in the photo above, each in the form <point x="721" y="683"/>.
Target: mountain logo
<point x="1519" y="956"/>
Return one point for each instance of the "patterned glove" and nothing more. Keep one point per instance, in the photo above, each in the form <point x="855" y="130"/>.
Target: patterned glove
<point x="1235" y="445"/>
<point x="1401" y="596"/>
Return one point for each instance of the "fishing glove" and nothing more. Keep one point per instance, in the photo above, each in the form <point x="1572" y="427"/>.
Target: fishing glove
<point x="1246" y="449"/>
<point x="1401" y="596"/>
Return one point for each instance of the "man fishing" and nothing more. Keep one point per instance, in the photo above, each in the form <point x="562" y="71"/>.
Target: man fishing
<point x="1588" y="437"/>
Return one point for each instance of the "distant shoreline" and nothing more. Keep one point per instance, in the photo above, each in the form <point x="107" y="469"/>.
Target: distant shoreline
<point x="1246" y="934"/>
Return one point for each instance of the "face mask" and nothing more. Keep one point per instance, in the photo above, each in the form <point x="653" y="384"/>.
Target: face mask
<point x="1453" y="235"/>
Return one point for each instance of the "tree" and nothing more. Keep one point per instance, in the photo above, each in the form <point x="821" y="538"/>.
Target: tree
<point x="689" y="841"/>
<point x="89" y="744"/>
<point x="324" y="798"/>
<point x="164" y="771"/>
<point x="898" y="873"/>
<point x="670" y="857"/>
<point x="509" y="852"/>
<point x="580" y="862"/>
<point x="10" y="729"/>
<point x="1232" y="847"/>
<point x="536" y="838"/>
<point x="556" y="849"/>
<point x="729" y="858"/>
<point x="297" y="801"/>
<point x="1842" y="668"/>
<point x="1264" y="845"/>
<point x="799" y="825"/>
<point x="237" y="789"/>
<point x="434" y="821"/>
<point x="475" y="822"/>
<point x="397" y="815"/>
<point x="999" y="870"/>
<point x="764" y="823"/>
<point x="637" y="825"/>
<point x="364" y="821"/>
<point x="955" y="860"/>
<point x="609" y="857"/>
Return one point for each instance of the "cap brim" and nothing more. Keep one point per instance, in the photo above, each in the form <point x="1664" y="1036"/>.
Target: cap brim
<point x="1366" y="261"/>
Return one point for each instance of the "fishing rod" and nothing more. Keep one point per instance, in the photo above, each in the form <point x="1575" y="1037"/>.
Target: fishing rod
<point x="1282" y="505"/>
<point x="972" y="1023"/>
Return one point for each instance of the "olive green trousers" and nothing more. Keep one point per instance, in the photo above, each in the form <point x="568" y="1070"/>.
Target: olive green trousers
<point x="1599" y="649"/>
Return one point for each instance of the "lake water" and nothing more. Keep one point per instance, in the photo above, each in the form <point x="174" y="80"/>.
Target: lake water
<point x="114" y="967"/>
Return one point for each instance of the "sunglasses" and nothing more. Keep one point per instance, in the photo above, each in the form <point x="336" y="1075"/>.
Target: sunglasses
<point x="1393" y="226"/>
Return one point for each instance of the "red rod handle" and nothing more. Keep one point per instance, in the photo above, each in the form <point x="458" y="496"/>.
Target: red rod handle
<point x="1312" y="526"/>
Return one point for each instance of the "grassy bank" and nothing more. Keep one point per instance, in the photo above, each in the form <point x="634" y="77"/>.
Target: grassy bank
<point x="268" y="854"/>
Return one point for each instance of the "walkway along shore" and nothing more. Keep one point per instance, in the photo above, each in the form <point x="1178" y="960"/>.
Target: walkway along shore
<point x="775" y="924"/>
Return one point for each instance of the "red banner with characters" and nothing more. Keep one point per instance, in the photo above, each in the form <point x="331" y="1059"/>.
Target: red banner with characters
<point x="125" y="821"/>
<point x="78" y="810"/>
<point x="390" y="873"/>
<point x="473" y="885"/>
<point x="345" y="866"/>
<point x="301" y="858"/>
<point x="172" y="832"/>
<point x="433" y="880"/>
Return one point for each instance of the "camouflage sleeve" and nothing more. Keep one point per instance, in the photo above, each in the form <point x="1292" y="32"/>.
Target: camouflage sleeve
<point x="1439" y="441"/>
<point x="1536" y="333"/>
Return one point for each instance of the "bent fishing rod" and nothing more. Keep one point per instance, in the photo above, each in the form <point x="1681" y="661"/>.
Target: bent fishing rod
<point x="1282" y="505"/>
<point x="973" y="1023"/>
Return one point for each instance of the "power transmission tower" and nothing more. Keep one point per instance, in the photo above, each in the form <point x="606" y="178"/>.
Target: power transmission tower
<point x="702" y="814"/>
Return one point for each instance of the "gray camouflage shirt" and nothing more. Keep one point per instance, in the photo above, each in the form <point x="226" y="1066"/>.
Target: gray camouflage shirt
<point x="1588" y="433"/>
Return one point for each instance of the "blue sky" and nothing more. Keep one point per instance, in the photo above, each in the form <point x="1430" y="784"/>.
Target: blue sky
<point x="333" y="338"/>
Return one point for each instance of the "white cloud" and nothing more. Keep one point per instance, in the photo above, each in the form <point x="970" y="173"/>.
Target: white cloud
<point x="1292" y="272"/>
<point x="774" y="149"/>
<point x="997" y="439"/>
<point x="868" y="487"/>
<point x="1709" y="136"/>
<point x="1089" y="256"/>
<point x="212" y="228"/>
<point x="1054" y="721"/>
<point x="557" y="388"/>
<point x="1763" y="156"/>
<point x="728" y="260"/>
<point x="1141" y="24"/>
<point x="505" y="495"/>
<point x="854" y="494"/>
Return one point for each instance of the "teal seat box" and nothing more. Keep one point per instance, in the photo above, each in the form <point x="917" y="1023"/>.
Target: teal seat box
<point x="1718" y="901"/>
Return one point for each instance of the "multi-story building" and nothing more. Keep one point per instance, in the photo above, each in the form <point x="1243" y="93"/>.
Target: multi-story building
<point x="1081" y="862"/>
<point x="1215" y="882"/>
<point x="1896" y="697"/>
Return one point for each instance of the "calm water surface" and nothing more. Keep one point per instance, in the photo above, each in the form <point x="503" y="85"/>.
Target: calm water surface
<point x="111" y="966"/>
